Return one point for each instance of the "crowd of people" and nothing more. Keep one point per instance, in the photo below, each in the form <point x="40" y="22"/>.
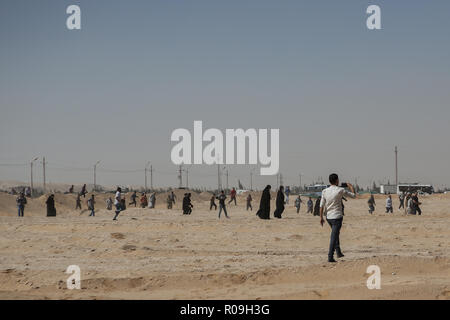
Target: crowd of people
<point x="329" y="205"/>
<point x="410" y="198"/>
<point x="408" y="201"/>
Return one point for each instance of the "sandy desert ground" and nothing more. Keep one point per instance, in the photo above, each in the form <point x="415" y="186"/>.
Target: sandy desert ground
<point x="161" y="254"/>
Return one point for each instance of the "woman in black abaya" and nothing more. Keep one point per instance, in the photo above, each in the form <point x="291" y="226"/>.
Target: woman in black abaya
<point x="264" y="205"/>
<point x="279" y="204"/>
<point x="51" y="210"/>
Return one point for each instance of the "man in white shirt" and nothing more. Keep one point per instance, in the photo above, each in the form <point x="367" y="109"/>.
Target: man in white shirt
<point x="331" y="204"/>
<point x="117" y="202"/>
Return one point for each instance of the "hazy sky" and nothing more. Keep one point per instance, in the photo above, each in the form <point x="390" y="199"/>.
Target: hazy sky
<point x="342" y="96"/>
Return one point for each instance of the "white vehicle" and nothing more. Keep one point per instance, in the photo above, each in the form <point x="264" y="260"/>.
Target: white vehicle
<point x="424" y="188"/>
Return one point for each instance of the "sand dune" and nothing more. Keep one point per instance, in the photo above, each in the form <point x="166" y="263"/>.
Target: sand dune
<point x="161" y="254"/>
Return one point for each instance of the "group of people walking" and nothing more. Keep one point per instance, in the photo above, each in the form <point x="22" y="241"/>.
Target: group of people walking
<point x="410" y="198"/>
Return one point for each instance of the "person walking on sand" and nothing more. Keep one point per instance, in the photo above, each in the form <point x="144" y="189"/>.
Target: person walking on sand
<point x="416" y="203"/>
<point x="249" y="202"/>
<point x="169" y="202"/>
<point x="389" y="207"/>
<point x="133" y="199"/>
<point x="187" y="205"/>
<point x="317" y="207"/>
<point x="401" y="198"/>
<point x="21" y="202"/>
<point x="118" y="202"/>
<point x="264" y="204"/>
<point x="297" y="203"/>
<point x="222" y="206"/>
<point x="143" y="201"/>
<point x="279" y="203"/>
<point x="310" y="205"/>
<point x="91" y="205"/>
<point x="173" y="197"/>
<point x="51" y="210"/>
<point x="410" y="207"/>
<point x="287" y="192"/>
<point x="331" y="203"/>
<point x="371" y="203"/>
<point x="78" y="202"/>
<point x="83" y="191"/>
<point x="232" y="197"/>
<point x="109" y="203"/>
<point x="152" y="200"/>
<point x="212" y="202"/>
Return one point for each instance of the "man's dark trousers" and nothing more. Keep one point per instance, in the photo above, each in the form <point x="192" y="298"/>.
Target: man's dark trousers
<point x="335" y="225"/>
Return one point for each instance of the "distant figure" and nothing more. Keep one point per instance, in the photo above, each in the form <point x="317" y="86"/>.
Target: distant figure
<point x="91" y="205"/>
<point x="212" y="202"/>
<point x="279" y="203"/>
<point x="401" y="198"/>
<point x="169" y="202"/>
<point x="249" y="202"/>
<point x="78" y="202"/>
<point x="389" y="207"/>
<point x="264" y="204"/>
<point x="410" y="207"/>
<point x="118" y="202"/>
<point x="21" y="202"/>
<point x="173" y="197"/>
<point x="143" y="201"/>
<point x="109" y="204"/>
<point x="133" y="199"/>
<point x="416" y="203"/>
<point x="317" y="206"/>
<point x="83" y="191"/>
<point x="232" y="197"/>
<point x="51" y="210"/>
<point x="407" y="197"/>
<point x="310" y="205"/>
<point x="221" y="199"/>
<point x="287" y="192"/>
<point x="371" y="203"/>
<point x="28" y="192"/>
<point x="187" y="205"/>
<point x="297" y="203"/>
<point x="71" y="189"/>
<point x="152" y="200"/>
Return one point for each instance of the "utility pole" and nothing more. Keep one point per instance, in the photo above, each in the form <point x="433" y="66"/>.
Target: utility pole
<point x="43" y="170"/>
<point x="396" y="167"/>
<point x="151" y="177"/>
<point x="227" y="180"/>
<point x="95" y="175"/>
<point x="187" y="178"/>
<point x="180" y="177"/>
<point x="145" y="173"/>
<point x="218" y="178"/>
<point x="31" y="174"/>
